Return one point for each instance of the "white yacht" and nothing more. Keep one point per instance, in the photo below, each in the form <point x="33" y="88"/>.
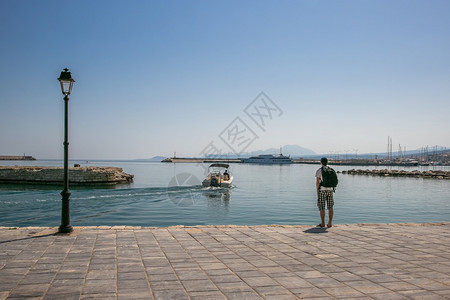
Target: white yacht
<point x="269" y="159"/>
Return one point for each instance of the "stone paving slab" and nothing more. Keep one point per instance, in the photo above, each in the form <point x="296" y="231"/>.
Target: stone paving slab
<point x="378" y="261"/>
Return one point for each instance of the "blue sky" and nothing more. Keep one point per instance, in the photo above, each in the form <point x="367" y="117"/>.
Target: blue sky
<point x="154" y="77"/>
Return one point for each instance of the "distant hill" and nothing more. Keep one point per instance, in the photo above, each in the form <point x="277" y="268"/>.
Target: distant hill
<point x="292" y="150"/>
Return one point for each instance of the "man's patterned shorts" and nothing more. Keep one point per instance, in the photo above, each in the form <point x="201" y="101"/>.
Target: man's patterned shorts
<point x="325" y="197"/>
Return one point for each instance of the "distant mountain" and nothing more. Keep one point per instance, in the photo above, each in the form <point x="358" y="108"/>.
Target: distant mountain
<point x="292" y="150"/>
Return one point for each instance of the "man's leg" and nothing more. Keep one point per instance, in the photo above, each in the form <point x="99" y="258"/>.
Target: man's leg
<point x="321" y="205"/>
<point x="330" y="217"/>
<point x="330" y="204"/>
<point x="322" y="218"/>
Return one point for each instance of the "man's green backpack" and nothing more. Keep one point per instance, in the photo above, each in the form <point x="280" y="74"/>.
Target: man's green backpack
<point x="329" y="177"/>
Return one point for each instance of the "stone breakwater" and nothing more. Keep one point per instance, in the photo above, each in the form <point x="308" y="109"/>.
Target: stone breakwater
<point x="10" y="157"/>
<point x="438" y="174"/>
<point x="55" y="175"/>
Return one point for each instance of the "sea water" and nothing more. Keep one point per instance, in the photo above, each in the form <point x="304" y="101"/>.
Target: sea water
<point x="166" y="194"/>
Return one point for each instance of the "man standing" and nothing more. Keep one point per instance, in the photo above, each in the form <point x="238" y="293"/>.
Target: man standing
<point x="324" y="194"/>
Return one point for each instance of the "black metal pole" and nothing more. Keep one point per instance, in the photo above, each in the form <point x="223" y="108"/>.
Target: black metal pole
<point x="65" y="212"/>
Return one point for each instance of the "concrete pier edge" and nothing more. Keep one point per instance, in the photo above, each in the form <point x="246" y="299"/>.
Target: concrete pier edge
<point x="128" y="227"/>
<point x="357" y="261"/>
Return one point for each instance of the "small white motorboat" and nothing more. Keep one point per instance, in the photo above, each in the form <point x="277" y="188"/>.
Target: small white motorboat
<point x="218" y="176"/>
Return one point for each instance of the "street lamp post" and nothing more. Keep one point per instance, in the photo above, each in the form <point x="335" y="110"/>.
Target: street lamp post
<point x="66" y="81"/>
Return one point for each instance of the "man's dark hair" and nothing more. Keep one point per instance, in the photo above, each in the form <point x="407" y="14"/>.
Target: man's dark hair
<point x="324" y="161"/>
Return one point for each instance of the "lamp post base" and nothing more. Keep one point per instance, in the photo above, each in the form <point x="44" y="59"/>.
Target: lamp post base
<point x="65" y="226"/>
<point x="65" y="229"/>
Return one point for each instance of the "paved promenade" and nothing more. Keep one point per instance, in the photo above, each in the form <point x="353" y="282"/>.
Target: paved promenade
<point x="402" y="261"/>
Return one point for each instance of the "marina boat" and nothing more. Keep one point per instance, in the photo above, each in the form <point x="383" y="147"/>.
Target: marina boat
<point x="409" y="162"/>
<point x="269" y="159"/>
<point x="218" y="176"/>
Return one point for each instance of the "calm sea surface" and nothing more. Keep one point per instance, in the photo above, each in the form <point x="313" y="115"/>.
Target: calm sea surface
<point x="165" y="194"/>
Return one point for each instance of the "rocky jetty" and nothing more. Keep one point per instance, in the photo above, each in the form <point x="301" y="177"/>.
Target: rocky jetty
<point x="438" y="174"/>
<point x="11" y="157"/>
<point x="55" y="175"/>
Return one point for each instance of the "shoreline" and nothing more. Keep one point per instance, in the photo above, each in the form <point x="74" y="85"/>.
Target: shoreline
<point x="128" y="227"/>
<point x="362" y="162"/>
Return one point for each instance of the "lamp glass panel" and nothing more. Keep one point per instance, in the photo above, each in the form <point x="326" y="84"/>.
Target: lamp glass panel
<point x="65" y="86"/>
